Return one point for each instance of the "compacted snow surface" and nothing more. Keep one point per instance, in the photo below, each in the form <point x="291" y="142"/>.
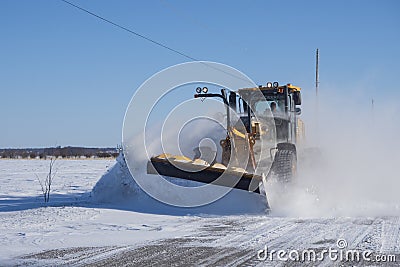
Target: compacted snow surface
<point x="98" y="216"/>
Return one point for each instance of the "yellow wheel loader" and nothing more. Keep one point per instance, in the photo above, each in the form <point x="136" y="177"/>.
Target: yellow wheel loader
<point x="260" y="143"/>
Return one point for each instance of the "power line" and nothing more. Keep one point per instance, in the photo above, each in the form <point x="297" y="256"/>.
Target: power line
<point x="128" y="30"/>
<point x="149" y="39"/>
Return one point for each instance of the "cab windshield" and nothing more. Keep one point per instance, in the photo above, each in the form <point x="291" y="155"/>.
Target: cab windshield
<point x="261" y="107"/>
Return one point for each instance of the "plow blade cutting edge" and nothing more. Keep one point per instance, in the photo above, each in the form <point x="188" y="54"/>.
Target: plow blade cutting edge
<point x="205" y="174"/>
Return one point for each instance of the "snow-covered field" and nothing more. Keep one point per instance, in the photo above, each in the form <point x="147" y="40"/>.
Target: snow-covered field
<point x="114" y="223"/>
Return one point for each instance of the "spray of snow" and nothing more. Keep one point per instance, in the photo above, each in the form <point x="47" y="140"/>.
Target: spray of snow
<point x="118" y="187"/>
<point x="354" y="170"/>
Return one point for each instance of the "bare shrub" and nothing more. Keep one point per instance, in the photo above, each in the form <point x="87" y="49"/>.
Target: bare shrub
<point x="48" y="181"/>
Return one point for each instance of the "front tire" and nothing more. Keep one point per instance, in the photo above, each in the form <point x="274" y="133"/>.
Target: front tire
<point x="285" y="165"/>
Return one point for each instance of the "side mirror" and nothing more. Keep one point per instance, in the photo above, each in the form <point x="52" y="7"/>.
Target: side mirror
<point x="298" y="111"/>
<point x="297" y="98"/>
<point x="232" y="100"/>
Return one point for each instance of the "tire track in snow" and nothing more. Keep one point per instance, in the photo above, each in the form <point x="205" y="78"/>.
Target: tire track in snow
<point x="76" y="256"/>
<point x="391" y="236"/>
<point x="234" y="241"/>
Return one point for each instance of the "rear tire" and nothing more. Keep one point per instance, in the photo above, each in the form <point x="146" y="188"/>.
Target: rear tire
<point x="285" y="165"/>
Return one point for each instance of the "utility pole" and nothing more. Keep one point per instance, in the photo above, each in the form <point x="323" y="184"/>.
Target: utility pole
<point x="316" y="73"/>
<point x="316" y="118"/>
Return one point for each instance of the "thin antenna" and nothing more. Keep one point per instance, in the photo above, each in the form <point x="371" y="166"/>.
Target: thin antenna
<point x="316" y="73"/>
<point x="372" y="120"/>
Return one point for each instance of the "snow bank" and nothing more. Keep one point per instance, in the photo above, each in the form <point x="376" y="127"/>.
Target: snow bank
<point x="118" y="189"/>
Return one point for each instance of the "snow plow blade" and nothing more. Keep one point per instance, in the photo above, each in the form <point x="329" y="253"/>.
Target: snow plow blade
<point x="189" y="170"/>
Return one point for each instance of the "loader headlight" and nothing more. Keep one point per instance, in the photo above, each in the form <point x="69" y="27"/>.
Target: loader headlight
<point x="205" y="90"/>
<point x="269" y="85"/>
<point x="198" y="90"/>
<point x="276" y="84"/>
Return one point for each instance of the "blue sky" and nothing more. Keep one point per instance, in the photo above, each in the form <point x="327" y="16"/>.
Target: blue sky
<point x="66" y="78"/>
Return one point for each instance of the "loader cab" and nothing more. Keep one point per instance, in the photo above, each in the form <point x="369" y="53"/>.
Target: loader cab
<point x="251" y="105"/>
<point x="279" y="102"/>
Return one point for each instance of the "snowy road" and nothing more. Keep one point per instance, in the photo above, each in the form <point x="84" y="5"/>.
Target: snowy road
<point x="236" y="240"/>
<point x="75" y="230"/>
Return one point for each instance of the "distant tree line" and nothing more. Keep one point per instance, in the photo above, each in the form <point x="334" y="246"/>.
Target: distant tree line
<point x="59" y="152"/>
